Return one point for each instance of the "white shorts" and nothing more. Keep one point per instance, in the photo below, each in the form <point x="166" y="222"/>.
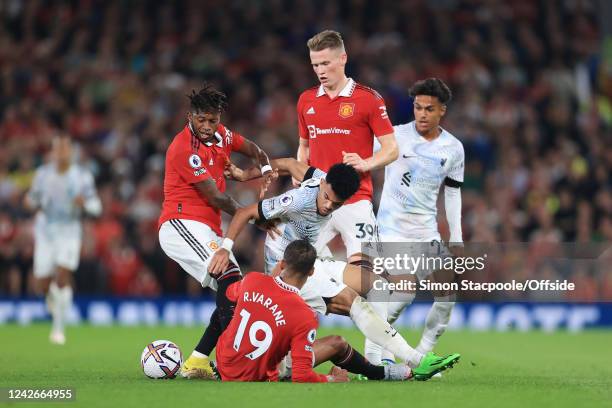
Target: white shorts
<point x="430" y="246"/>
<point x="51" y="252"/>
<point x="326" y="282"/>
<point x="191" y="244"/>
<point x="355" y="223"/>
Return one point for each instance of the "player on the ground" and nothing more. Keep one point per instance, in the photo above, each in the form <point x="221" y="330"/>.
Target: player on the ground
<point x="194" y="196"/>
<point x="430" y="157"/>
<point x="271" y="319"/>
<point x="337" y="123"/>
<point x="302" y="213"/>
<point x="61" y="193"/>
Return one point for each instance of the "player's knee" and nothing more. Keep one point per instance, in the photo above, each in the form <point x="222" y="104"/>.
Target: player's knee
<point x="63" y="277"/>
<point x="339" y="344"/>
<point x="41" y="286"/>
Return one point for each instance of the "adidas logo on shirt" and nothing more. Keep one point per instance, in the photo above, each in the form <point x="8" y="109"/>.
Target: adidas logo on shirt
<point x="310" y="111"/>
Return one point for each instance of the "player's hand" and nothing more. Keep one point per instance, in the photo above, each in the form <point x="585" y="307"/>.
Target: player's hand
<point x="356" y="161"/>
<point x="295" y="182"/>
<point x="219" y="262"/>
<point x="231" y="171"/>
<point x="270" y="226"/>
<point x="79" y="201"/>
<point x="268" y="178"/>
<point x="337" y="374"/>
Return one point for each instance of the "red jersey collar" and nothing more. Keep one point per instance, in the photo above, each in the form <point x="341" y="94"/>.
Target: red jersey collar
<point x="346" y="91"/>
<point x="286" y="286"/>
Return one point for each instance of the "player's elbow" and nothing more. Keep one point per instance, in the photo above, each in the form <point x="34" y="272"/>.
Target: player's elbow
<point x="392" y="150"/>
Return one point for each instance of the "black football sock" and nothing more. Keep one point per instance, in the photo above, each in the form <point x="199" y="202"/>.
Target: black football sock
<point x="354" y="362"/>
<point x="211" y="335"/>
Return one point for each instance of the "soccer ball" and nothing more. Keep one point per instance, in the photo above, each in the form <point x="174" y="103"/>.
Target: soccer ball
<point x="161" y="359"/>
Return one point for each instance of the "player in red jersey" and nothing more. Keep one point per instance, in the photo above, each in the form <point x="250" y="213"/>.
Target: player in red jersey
<point x="272" y="319"/>
<point x="194" y="196"/>
<point x="337" y="123"/>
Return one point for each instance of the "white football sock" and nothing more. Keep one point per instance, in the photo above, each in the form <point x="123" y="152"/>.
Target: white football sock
<point x="378" y="299"/>
<point x="197" y="354"/>
<point x="51" y="298"/>
<point x="436" y="323"/>
<point x="381" y="332"/>
<point x="396" y="305"/>
<point x="62" y="305"/>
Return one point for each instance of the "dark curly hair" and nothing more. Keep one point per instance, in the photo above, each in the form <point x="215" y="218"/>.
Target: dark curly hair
<point x="343" y="179"/>
<point x="208" y="100"/>
<point x="432" y="87"/>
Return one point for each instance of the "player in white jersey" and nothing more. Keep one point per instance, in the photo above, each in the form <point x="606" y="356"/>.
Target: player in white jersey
<point x="303" y="212"/>
<point x="61" y="192"/>
<point x="429" y="157"/>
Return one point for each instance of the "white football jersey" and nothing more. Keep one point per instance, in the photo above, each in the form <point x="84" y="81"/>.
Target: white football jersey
<point x="55" y="192"/>
<point x="300" y="219"/>
<point x="412" y="182"/>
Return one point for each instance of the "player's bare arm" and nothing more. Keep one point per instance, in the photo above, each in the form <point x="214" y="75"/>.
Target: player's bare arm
<point x="303" y="155"/>
<point x="283" y="167"/>
<point x="220" y="259"/>
<point x="222" y="201"/>
<point x="252" y="150"/>
<point x="388" y="153"/>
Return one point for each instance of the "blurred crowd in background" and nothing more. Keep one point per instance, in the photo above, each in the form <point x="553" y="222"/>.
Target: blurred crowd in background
<point x="532" y="85"/>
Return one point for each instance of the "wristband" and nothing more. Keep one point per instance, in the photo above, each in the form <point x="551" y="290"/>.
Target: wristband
<point x="266" y="168"/>
<point x="227" y="244"/>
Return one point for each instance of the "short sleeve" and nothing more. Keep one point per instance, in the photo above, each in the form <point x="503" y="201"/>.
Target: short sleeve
<point x="190" y="166"/>
<point x="237" y="141"/>
<point x="281" y="205"/>
<point x="457" y="167"/>
<point x="378" y="118"/>
<point x="314" y="173"/>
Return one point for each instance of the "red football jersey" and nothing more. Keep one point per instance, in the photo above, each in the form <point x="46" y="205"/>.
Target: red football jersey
<point x="189" y="161"/>
<point x="346" y="123"/>
<point x="269" y="320"/>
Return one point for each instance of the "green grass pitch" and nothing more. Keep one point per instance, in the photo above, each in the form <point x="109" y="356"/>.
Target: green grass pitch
<point x="496" y="369"/>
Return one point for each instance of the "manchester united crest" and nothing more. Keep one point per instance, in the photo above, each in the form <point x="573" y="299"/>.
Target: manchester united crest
<point x="346" y="110"/>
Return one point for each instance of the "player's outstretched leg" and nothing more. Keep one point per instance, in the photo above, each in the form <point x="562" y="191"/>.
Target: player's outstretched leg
<point x="372" y="326"/>
<point x="337" y="350"/>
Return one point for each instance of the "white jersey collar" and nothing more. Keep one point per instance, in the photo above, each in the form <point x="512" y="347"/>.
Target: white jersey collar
<point x="286" y="286"/>
<point x="347" y="91"/>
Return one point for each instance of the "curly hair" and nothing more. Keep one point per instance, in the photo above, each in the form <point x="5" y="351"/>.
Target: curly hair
<point x="208" y="100"/>
<point x="432" y="87"/>
<point x="343" y="179"/>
